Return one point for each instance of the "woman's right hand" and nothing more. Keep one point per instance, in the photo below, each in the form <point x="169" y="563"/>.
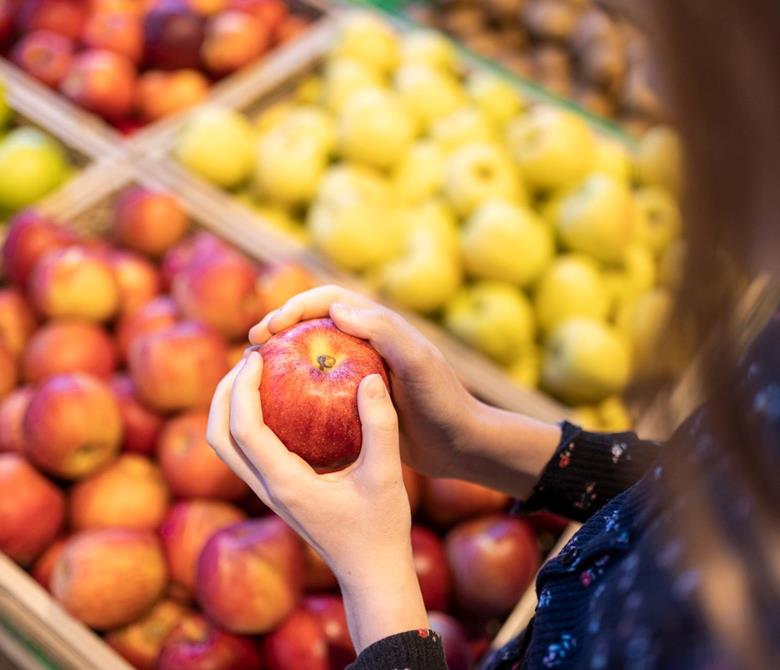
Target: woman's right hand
<point x="436" y="412"/>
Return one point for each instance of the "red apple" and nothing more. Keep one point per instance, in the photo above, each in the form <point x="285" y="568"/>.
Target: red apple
<point x="179" y="367"/>
<point x="447" y="501"/>
<point x="6" y="22"/>
<point x="43" y="568"/>
<point x="291" y="28"/>
<point x="148" y="221"/>
<point x="249" y="575"/>
<point x="333" y="619"/>
<point x="66" y="17"/>
<point x="17" y="321"/>
<point x="207" y="7"/>
<point x="220" y="291"/>
<point x="298" y="643"/>
<point x="317" y="576"/>
<point x="202" y="244"/>
<point x="45" y="55"/>
<point x="546" y="522"/>
<point x="173" y="35"/>
<point x="102" y="82"/>
<point x="457" y="653"/>
<point x="308" y="392"/>
<point x="118" y="31"/>
<point x="129" y="493"/>
<point x="430" y="563"/>
<point x="109" y="577"/>
<point x="74" y="281"/>
<point x="157" y="314"/>
<point x="69" y="345"/>
<point x="31" y="509"/>
<point x="196" y="644"/>
<point x="233" y="39"/>
<point x="271" y="13"/>
<point x="413" y="482"/>
<point x="140" y="642"/>
<point x="29" y="236"/>
<point x="9" y="373"/>
<point x="493" y="561"/>
<point x="12" y="410"/>
<point x="160" y="94"/>
<point x="137" y="279"/>
<point x="142" y="426"/>
<point x="281" y="281"/>
<point x="191" y="467"/>
<point x="185" y="530"/>
<point x="72" y="425"/>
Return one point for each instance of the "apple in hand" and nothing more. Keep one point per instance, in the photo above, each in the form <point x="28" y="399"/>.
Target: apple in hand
<point x="430" y="563"/>
<point x="109" y="577"/>
<point x="298" y="643"/>
<point x="157" y="314"/>
<point x="31" y="509"/>
<point x="72" y="425"/>
<point x="457" y="653"/>
<point x="197" y="644"/>
<point x="329" y="609"/>
<point x="311" y="373"/>
<point x="148" y="221"/>
<point x="12" y="410"/>
<point x="69" y="345"/>
<point x="102" y="82"/>
<point x="45" y="55"/>
<point x="249" y="575"/>
<point x="17" y="321"/>
<point x="447" y="501"/>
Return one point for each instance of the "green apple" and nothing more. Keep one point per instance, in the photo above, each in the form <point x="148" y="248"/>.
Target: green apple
<point x="365" y="37"/>
<point x="461" y="127"/>
<point x="428" y="93"/>
<point x="658" y="221"/>
<point x="527" y="368"/>
<point x="477" y="172"/>
<point x="344" y="76"/>
<point x="289" y="165"/>
<point x="374" y="128"/>
<point x="507" y="242"/>
<point x="5" y="110"/>
<point x="614" y="415"/>
<point x="437" y="220"/>
<point x="431" y="48"/>
<point x="612" y="158"/>
<point x="597" y="218"/>
<point x="32" y="165"/>
<point x="670" y="265"/>
<point x="495" y="97"/>
<point x="643" y="321"/>
<point x="635" y="275"/>
<point x="554" y="149"/>
<point x="420" y="173"/>
<point x="218" y="144"/>
<point x="585" y="361"/>
<point x="658" y="159"/>
<point x="571" y="286"/>
<point x="494" y="318"/>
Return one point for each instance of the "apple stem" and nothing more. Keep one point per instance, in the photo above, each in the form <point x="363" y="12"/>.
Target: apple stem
<point x="326" y="362"/>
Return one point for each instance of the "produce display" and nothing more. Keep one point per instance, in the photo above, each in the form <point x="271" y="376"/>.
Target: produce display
<point x="574" y="48"/>
<point x="32" y="163"/>
<point x="110" y="349"/>
<point x="136" y="61"/>
<point x="546" y="247"/>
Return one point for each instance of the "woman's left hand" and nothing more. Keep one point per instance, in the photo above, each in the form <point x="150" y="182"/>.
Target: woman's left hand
<point x="358" y="518"/>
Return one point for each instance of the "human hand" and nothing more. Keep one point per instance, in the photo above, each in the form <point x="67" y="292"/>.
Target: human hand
<point x="358" y="518"/>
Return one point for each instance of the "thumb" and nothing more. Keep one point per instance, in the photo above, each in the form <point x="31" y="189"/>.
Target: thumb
<point x="380" y="449"/>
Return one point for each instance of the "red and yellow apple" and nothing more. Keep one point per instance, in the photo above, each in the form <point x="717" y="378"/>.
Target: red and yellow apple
<point x="157" y="314"/>
<point x="160" y="93"/>
<point x="102" y="82"/>
<point x="233" y="39"/>
<point x="148" y="221"/>
<point x="9" y="372"/>
<point x="120" y="31"/>
<point x="142" y="425"/>
<point x="12" y="410"/>
<point x="17" y="321"/>
<point x="329" y="609"/>
<point x="45" y="55"/>
<point x="137" y="279"/>
<point x="299" y="642"/>
<point x="43" y="568"/>
<point x="178" y="257"/>
<point x="281" y="281"/>
<point x="65" y="17"/>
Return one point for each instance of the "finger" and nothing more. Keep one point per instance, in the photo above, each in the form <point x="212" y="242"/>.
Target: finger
<point x="379" y="455"/>
<point x="265" y="451"/>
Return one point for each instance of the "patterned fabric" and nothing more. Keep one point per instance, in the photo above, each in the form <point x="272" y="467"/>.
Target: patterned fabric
<point x="618" y="594"/>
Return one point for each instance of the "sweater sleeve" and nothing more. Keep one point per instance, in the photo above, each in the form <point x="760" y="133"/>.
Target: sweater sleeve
<point x="413" y="650"/>
<point x="588" y="470"/>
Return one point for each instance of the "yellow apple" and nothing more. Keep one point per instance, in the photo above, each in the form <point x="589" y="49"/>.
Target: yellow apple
<point x="497" y="98"/>
<point x="585" y="361"/>
<point x="462" y="127"/>
<point x="476" y="172"/>
<point x="428" y="93"/>
<point x="527" y="369"/>
<point x="658" y="221"/>
<point x="658" y="159"/>
<point x="597" y="218"/>
<point x="344" y="184"/>
<point x="612" y="158"/>
<point x="614" y="415"/>
<point x="587" y="417"/>
<point x="495" y="318"/>
<point x="635" y="275"/>
<point x="571" y="286"/>
<point x="269" y="117"/>
<point x="365" y="37"/>
<point x="313" y="120"/>
<point x="554" y="149"/>
<point x="420" y="173"/>
<point x="437" y="220"/>
<point x="429" y="47"/>
<point x="280" y="218"/>
<point x="505" y="241"/>
<point x="374" y="128"/>
<point x="344" y="76"/>
<point x="643" y="321"/>
<point x="310" y="91"/>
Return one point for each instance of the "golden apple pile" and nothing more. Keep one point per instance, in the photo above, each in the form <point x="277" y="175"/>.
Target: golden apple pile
<point x="541" y="244"/>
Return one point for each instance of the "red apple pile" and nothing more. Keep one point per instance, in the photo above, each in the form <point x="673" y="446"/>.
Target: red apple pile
<point x="116" y="504"/>
<point x="135" y="62"/>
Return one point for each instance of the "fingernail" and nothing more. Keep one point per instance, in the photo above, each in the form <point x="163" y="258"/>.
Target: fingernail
<point x="376" y="387"/>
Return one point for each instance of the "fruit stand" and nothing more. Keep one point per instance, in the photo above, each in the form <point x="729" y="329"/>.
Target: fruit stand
<point x="164" y="157"/>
